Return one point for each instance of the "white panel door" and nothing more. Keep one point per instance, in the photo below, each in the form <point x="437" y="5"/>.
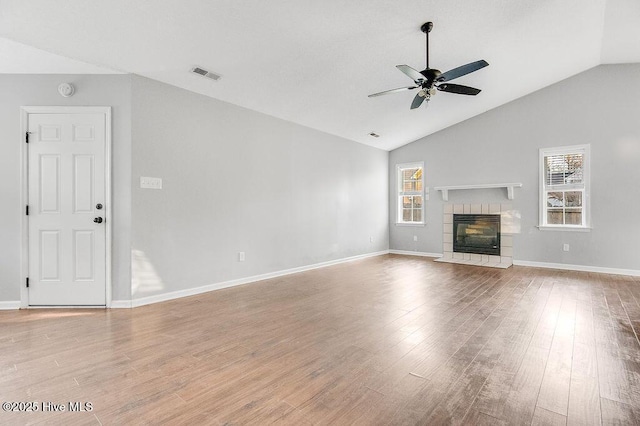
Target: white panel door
<point x="66" y="173"/>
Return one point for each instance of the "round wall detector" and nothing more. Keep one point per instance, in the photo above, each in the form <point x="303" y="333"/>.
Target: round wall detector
<point x="66" y="89"/>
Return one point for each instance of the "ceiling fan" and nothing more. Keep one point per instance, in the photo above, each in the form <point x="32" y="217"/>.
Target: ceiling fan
<point x="430" y="79"/>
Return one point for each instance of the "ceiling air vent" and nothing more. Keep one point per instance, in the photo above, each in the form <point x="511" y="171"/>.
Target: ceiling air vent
<point x="205" y="73"/>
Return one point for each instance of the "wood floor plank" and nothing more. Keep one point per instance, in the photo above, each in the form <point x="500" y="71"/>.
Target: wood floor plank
<point x="521" y="401"/>
<point x="386" y="340"/>
<point x="542" y="417"/>
<point x="478" y="418"/>
<point x="617" y="413"/>
<point x="584" y="392"/>
<point x="554" y="391"/>
<point x="617" y="371"/>
<point x="494" y="394"/>
<point x="584" y="401"/>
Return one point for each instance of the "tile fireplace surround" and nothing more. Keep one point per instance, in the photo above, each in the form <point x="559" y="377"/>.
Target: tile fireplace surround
<point x="506" y="238"/>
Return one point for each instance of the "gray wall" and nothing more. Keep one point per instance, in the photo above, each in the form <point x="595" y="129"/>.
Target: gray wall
<point x="237" y="180"/>
<point x="600" y="107"/>
<point x="234" y="180"/>
<point x="95" y="90"/>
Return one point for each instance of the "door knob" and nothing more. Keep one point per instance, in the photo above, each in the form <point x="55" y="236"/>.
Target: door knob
<point x="97" y="220"/>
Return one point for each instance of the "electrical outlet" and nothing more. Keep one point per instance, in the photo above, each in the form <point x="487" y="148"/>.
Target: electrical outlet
<point x="565" y="247"/>
<point x="370" y="239"/>
<point x="240" y="256"/>
<point x="150" y="182"/>
<point x="415" y="238"/>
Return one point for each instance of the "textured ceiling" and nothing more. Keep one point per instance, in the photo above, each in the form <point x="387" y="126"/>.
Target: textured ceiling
<point x="314" y="63"/>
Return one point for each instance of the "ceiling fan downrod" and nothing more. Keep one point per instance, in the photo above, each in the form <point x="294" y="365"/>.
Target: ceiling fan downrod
<point x="426" y="28"/>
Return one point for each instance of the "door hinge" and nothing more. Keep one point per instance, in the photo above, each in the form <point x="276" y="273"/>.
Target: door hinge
<point x="27" y="282"/>
<point x="27" y="137"/>
<point x="27" y="210"/>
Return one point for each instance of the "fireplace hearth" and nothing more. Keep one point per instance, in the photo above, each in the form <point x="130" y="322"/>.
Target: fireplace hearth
<point x="476" y="233"/>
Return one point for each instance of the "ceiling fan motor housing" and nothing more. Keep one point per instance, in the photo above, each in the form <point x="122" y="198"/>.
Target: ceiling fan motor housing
<point x="431" y="75"/>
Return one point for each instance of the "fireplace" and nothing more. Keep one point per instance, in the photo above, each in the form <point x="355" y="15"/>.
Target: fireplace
<point x="476" y="233"/>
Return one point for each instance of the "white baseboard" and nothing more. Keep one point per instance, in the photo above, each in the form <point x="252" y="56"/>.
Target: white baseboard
<point x="415" y="253"/>
<point x="546" y="265"/>
<point x="6" y="306"/>
<point x="120" y="304"/>
<point x="126" y="304"/>
<point x="582" y="268"/>
<point x="232" y="283"/>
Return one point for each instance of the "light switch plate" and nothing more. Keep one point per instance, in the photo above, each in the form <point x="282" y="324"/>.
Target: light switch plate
<point x="150" y="182"/>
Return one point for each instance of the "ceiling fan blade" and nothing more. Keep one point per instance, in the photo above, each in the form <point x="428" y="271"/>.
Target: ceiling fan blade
<point x="462" y="70"/>
<point x="417" y="101"/>
<point x="459" y="89"/>
<point x="399" y="89"/>
<point x="411" y="73"/>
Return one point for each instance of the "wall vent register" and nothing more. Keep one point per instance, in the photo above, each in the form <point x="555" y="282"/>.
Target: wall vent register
<point x="205" y="73"/>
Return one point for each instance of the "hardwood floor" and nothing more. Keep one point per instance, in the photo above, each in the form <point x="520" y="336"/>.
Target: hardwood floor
<point x="386" y="340"/>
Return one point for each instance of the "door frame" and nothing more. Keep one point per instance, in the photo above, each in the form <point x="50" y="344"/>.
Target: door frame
<point x="24" y="193"/>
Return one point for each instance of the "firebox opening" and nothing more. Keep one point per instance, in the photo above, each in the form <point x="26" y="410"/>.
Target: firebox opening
<point x="476" y="233"/>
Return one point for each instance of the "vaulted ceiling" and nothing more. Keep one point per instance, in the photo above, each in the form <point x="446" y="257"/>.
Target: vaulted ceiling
<point x="314" y="63"/>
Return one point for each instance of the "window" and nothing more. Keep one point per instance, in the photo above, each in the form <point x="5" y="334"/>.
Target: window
<point x="410" y="194"/>
<point x="564" y="194"/>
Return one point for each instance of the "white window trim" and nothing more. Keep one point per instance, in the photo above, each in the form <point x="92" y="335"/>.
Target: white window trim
<point x="399" y="167"/>
<point x="586" y="201"/>
<point x="564" y="228"/>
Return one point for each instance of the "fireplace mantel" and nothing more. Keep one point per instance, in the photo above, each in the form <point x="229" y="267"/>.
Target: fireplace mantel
<point x="510" y="186"/>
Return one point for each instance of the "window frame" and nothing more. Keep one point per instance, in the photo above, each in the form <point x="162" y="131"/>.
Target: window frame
<point x="400" y="193"/>
<point x="584" y="187"/>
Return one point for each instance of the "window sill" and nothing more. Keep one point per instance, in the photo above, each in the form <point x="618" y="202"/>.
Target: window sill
<point x="410" y="224"/>
<point x="565" y="228"/>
